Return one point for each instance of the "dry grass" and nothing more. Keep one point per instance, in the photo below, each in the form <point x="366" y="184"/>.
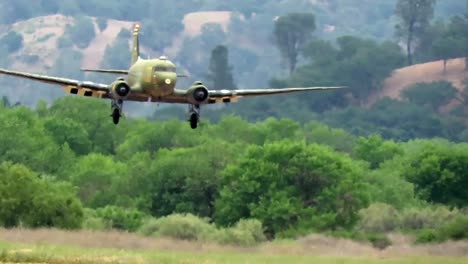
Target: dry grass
<point x="426" y="72"/>
<point x="315" y="245"/>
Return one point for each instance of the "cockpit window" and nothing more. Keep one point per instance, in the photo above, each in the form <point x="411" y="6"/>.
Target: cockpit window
<point x="164" y="69"/>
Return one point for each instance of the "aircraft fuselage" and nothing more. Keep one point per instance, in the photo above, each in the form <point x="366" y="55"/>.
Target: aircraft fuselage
<point x="156" y="77"/>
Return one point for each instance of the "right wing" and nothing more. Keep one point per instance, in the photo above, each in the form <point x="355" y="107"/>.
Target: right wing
<point x="69" y="85"/>
<point x="222" y="96"/>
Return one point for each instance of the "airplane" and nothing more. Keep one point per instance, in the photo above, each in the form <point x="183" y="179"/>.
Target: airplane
<point x="152" y="80"/>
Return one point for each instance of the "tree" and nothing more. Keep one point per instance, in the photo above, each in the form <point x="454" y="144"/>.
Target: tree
<point x="434" y="95"/>
<point x="414" y="16"/>
<point x="34" y="202"/>
<point x="375" y="150"/>
<point x="97" y="178"/>
<point x="291" y="33"/>
<point x="293" y="186"/>
<point x="447" y="48"/>
<point x="220" y="73"/>
<point x="183" y="181"/>
<point x="438" y="171"/>
<point x="82" y="32"/>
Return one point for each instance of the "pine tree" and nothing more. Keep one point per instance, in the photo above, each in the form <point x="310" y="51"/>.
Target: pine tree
<point x="220" y="73"/>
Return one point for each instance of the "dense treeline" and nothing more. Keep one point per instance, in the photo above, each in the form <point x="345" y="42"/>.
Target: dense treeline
<point x="293" y="179"/>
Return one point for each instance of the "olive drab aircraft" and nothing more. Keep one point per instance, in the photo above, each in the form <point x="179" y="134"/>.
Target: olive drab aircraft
<point x="152" y="80"/>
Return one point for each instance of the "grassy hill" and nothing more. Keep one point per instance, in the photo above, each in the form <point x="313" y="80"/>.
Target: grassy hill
<point x="425" y="73"/>
<point x="40" y="36"/>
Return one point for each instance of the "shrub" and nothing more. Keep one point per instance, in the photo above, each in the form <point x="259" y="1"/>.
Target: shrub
<point x="93" y="222"/>
<point x="426" y="236"/>
<point x="121" y="218"/>
<point x="179" y="226"/>
<point x="244" y="233"/>
<point x="456" y="229"/>
<point x="378" y="217"/>
<point x="424" y="218"/>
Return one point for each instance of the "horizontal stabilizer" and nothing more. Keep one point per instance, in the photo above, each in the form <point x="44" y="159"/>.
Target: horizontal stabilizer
<point x="106" y="71"/>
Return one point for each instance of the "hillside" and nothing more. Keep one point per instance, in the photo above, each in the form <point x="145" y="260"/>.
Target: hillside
<point x="41" y="34"/>
<point x="426" y="72"/>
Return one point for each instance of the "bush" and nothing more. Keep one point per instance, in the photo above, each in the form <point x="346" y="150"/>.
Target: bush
<point x="380" y="241"/>
<point x="26" y="199"/>
<point x="179" y="226"/>
<point x="93" y="222"/>
<point x="378" y="217"/>
<point x="456" y="229"/>
<point x="246" y="232"/>
<point x="426" y="236"/>
<point x="121" y="218"/>
<point x="426" y="218"/>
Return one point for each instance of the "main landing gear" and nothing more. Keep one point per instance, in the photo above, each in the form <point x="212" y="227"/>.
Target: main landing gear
<point x="194" y="115"/>
<point x="116" y="106"/>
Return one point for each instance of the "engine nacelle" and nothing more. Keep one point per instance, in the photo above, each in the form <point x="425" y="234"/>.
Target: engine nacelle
<point x="197" y="94"/>
<point x="120" y="89"/>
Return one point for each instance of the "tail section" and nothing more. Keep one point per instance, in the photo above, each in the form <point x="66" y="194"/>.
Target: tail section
<point x="136" y="44"/>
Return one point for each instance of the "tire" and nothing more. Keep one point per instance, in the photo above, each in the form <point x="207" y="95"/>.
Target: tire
<point x="116" y="116"/>
<point x="194" y="121"/>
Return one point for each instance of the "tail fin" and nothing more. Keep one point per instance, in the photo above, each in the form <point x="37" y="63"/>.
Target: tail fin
<point x="136" y="44"/>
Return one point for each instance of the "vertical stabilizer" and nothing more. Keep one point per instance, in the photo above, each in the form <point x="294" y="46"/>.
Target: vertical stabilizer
<point x="136" y="44"/>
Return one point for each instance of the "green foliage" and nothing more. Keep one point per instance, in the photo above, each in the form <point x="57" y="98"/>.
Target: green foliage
<point x="182" y="181"/>
<point x="283" y="183"/>
<point x="378" y="218"/>
<point x="178" y="226"/>
<point x="393" y="119"/>
<point x="121" y="218"/>
<point x="13" y="41"/>
<point x="98" y="178"/>
<point x="426" y="218"/>
<point x="438" y="171"/>
<point x="433" y="95"/>
<point x="30" y="201"/>
<point x="388" y="185"/>
<point x="246" y="232"/>
<point x="457" y="229"/>
<point x="375" y="150"/>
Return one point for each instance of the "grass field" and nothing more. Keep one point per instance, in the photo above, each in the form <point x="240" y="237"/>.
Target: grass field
<point x="54" y="246"/>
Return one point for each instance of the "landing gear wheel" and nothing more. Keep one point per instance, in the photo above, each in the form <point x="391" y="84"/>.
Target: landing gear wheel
<point x="115" y="116"/>
<point x="193" y="120"/>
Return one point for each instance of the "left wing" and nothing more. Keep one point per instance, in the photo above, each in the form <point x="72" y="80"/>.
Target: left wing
<point x="69" y="85"/>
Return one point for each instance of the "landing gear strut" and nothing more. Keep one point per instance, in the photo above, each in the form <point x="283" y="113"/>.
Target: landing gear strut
<point x="194" y="115"/>
<point x="116" y="106"/>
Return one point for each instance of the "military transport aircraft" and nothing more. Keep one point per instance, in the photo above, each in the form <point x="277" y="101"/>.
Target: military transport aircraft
<point x="152" y="80"/>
